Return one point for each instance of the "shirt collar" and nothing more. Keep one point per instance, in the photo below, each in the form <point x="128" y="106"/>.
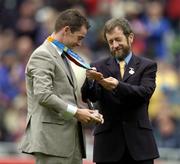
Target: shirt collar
<point x="127" y="59"/>
<point x="57" y="49"/>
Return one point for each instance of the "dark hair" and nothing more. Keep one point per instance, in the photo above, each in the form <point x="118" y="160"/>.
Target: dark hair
<point x="122" y="23"/>
<point x="72" y="18"/>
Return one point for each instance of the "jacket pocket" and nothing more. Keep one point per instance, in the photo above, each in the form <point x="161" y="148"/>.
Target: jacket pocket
<point x="102" y="128"/>
<point x="145" y="124"/>
<point x="53" y="120"/>
<point x="51" y="117"/>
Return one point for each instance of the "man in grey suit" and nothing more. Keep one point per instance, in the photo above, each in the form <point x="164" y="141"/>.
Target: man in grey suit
<point x="54" y="133"/>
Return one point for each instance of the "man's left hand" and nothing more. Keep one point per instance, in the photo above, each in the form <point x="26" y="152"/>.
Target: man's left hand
<point x="109" y="83"/>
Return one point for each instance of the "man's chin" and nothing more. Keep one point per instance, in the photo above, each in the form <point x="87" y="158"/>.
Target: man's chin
<point x="118" y="56"/>
<point x="74" y="47"/>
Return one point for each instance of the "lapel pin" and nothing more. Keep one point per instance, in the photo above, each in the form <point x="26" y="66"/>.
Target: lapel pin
<point x="131" y="71"/>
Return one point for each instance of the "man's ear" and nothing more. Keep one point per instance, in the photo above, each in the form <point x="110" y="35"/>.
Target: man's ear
<point x="131" y="38"/>
<point x="67" y="29"/>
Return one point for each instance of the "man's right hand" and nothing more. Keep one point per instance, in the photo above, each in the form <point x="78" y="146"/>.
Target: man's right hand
<point x="92" y="74"/>
<point x="87" y="116"/>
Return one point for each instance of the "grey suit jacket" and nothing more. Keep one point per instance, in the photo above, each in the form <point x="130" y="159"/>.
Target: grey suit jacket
<point x="50" y="88"/>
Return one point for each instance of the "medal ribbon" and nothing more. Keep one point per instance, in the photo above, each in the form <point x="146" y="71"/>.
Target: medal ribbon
<point x="75" y="58"/>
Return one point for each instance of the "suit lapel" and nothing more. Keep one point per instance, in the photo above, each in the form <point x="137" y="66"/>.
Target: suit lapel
<point x="113" y="68"/>
<point x="131" y="68"/>
<point x="60" y="62"/>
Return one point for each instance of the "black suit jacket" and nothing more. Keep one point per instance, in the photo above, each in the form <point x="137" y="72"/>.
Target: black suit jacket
<point x="125" y="110"/>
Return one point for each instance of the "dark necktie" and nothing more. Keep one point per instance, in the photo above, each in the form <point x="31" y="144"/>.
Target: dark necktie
<point x="67" y="64"/>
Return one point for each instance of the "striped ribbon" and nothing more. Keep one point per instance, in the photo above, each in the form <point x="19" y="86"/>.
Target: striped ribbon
<point x="75" y="58"/>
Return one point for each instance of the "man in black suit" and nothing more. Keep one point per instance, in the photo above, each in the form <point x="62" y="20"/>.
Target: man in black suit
<point x="123" y="98"/>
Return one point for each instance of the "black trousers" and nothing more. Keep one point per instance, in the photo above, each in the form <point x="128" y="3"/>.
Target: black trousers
<point x="126" y="159"/>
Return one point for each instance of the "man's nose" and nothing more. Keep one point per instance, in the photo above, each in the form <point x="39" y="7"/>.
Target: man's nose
<point x="115" y="44"/>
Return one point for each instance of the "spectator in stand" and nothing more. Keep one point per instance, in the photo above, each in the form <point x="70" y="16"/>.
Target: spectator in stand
<point x="166" y="130"/>
<point x="157" y="28"/>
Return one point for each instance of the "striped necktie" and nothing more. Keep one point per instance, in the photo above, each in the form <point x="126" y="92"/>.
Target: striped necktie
<point x="122" y="67"/>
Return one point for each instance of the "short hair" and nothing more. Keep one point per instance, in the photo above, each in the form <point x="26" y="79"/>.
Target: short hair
<point x="72" y="18"/>
<point x="122" y="23"/>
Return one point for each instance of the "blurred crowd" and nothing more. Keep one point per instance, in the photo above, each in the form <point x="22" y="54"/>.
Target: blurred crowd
<point x="25" y="24"/>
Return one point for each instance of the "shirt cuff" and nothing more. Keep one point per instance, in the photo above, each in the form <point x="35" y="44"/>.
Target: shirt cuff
<point x="70" y="112"/>
<point x="71" y="109"/>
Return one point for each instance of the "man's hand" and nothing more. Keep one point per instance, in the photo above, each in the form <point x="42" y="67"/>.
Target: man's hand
<point x="92" y="74"/>
<point x="88" y="116"/>
<point x="96" y="114"/>
<point x="109" y="83"/>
